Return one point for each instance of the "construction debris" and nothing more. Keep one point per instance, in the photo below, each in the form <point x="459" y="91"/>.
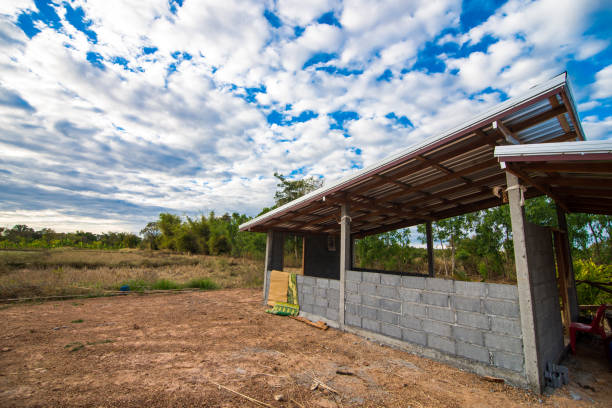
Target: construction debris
<point x="319" y="325"/>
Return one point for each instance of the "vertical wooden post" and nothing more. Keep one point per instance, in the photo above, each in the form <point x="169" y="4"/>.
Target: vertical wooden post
<point x="267" y="265"/>
<point x="345" y="256"/>
<point x="430" y="249"/>
<point x="572" y="295"/>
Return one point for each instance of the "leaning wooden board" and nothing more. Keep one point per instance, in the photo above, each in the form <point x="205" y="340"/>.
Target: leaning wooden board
<point x="279" y="282"/>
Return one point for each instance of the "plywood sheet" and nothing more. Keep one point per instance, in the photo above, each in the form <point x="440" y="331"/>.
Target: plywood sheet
<point x="279" y="282"/>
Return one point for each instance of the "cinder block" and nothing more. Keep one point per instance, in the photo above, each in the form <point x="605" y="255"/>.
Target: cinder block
<point x="413" y="282"/>
<point x="352" y="297"/>
<point x="465" y="334"/>
<point x="435" y="299"/>
<point x="370" y="301"/>
<point x="371" y="277"/>
<point x="387" y="317"/>
<point x="320" y="292"/>
<point x="322" y="283"/>
<point x="501" y="291"/>
<point x="391" y="305"/>
<point x="413" y="309"/>
<point x="306" y="289"/>
<point x="389" y="292"/>
<point x="334" y="284"/>
<point x="367" y="288"/>
<point x="371" y="325"/>
<point x="410" y="322"/>
<point x="333" y="302"/>
<point x="352" y="308"/>
<point x="442" y="314"/>
<point x="474" y="289"/>
<point x="351" y="287"/>
<point x="409" y="295"/>
<point x="470" y="304"/>
<point x="321" y="301"/>
<point x="442" y="329"/>
<point x="307" y="299"/>
<point x="309" y="280"/>
<point x="390" y="280"/>
<point x="319" y="310"/>
<point x="414" y="336"/>
<point x="503" y="343"/>
<point x="332" y="314"/>
<point x="308" y="308"/>
<point x="473" y="352"/>
<point x="299" y="279"/>
<point x="475" y="320"/>
<point x="368" y="312"/>
<point x="352" y="320"/>
<point x="441" y="343"/>
<point x="391" y="330"/>
<point x="510" y="361"/>
<point x="506" y="326"/>
<point x="501" y="308"/>
<point x="353" y="276"/>
<point x="439" y="285"/>
<point x="334" y="295"/>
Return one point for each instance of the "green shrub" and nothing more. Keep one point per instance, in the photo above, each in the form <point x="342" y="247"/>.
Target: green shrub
<point x="587" y="270"/>
<point x="136" y="285"/>
<point x="165" y="284"/>
<point x="202" y="283"/>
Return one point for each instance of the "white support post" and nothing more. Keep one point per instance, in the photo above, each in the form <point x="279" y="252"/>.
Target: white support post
<point x="524" y="283"/>
<point x="345" y="256"/>
<point x="267" y="265"/>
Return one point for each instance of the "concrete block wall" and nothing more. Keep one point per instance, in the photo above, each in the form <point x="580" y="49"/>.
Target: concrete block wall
<point x="319" y="296"/>
<point x="471" y="320"/>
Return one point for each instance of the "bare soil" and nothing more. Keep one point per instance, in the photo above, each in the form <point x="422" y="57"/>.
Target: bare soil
<point x="167" y="350"/>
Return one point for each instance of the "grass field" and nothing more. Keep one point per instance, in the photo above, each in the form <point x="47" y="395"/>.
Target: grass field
<point x="34" y="273"/>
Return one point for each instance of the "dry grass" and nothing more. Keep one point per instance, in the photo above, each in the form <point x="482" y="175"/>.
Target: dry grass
<point x="71" y="272"/>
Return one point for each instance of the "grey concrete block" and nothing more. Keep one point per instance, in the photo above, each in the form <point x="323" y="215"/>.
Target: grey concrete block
<point x="442" y="329"/>
<point x="470" y="304"/>
<point x="368" y="312"/>
<point x="321" y="301"/>
<point x="506" y="325"/>
<point x="322" y="283"/>
<point x="299" y="279"/>
<point x="352" y="319"/>
<point x="387" y="317"/>
<point x="352" y="308"/>
<point x="366" y="288"/>
<point x="439" y="285"/>
<point x="501" y="307"/>
<point x="307" y="299"/>
<point x="370" y="301"/>
<point x="351" y="287"/>
<point x="473" y="352"/>
<point x="306" y="289"/>
<point x="391" y="305"/>
<point x="308" y="308"/>
<point x="414" y="336"/>
<point x="334" y="284"/>
<point x="333" y="295"/>
<point x="510" y="361"/>
<point x="389" y="292"/>
<point x="371" y="325"/>
<point x="475" y="320"/>
<point x="443" y="344"/>
<point x="391" y="330"/>
<point x="504" y="343"/>
<point x="413" y="282"/>
<point x="473" y="289"/>
<point x="319" y="310"/>
<point x="332" y="314"/>
<point x="413" y="309"/>
<point x="310" y="280"/>
<point x="320" y="292"/>
<point x="496" y="290"/>
<point x="352" y="297"/>
<point x="468" y="335"/>
<point x="409" y="295"/>
<point x="410" y="322"/>
<point x="442" y="314"/>
<point x="333" y="302"/>
<point x="353" y="276"/>
<point x="435" y="299"/>
<point x="371" y="277"/>
<point x="390" y="280"/>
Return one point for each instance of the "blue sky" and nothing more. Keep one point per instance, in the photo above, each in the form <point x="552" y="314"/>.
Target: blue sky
<point x="112" y="111"/>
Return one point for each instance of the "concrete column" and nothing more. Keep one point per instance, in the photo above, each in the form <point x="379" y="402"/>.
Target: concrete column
<point x="345" y="256"/>
<point x="524" y="280"/>
<point x="430" y="249"/>
<point x="275" y="242"/>
<point x="571" y="282"/>
<point x="267" y="265"/>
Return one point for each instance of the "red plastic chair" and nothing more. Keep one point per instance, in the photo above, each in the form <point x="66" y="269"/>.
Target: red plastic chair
<point x="596" y="327"/>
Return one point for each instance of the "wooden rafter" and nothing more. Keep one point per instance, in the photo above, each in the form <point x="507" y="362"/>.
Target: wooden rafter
<point x="577" y="181"/>
<point x="583" y="167"/>
<point x="505" y="132"/>
<point x="543" y="188"/>
<point x="571" y="115"/>
<point x="537" y="119"/>
<point x="554" y="102"/>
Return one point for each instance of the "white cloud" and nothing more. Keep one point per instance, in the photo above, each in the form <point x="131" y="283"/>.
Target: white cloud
<point x="602" y="88"/>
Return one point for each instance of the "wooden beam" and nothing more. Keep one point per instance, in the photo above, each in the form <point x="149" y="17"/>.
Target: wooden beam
<point x="583" y="192"/>
<point x="563" y="138"/>
<point x="561" y="118"/>
<point x="430" y="250"/>
<point x="510" y="138"/>
<point x="543" y="188"/>
<point x="582" y="167"/>
<point x="573" y="117"/>
<point x="577" y="181"/>
<point x="535" y="120"/>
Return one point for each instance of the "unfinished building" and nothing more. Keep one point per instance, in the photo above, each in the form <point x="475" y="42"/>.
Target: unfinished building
<point x="530" y="145"/>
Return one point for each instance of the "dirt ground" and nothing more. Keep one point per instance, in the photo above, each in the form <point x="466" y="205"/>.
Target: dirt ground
<point x="169" y="350"/>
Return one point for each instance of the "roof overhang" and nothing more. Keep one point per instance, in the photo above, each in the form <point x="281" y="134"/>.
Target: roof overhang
<point x="577" y="175"/>
<point x="448" y="174"/>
